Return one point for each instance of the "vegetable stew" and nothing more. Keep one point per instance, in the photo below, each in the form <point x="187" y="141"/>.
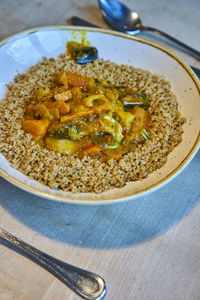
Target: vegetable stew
<point x="86" y="116"/>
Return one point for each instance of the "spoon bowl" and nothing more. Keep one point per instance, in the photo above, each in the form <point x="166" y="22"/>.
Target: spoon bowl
<point x="121" y="18"/>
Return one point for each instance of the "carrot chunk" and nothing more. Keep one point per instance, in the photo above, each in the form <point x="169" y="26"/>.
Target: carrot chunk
<point x="142" y="117"/>
<point x="92" y="150"/>
<point x="63" y="108"/>
<point x="140" y="125"/>
<point x="77" y="80"/>
<point x="36" y="127"/>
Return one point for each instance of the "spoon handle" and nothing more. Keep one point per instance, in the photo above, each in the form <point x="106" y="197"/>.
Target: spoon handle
<point x="84" y="283"/>
<point x="195" y="53"/>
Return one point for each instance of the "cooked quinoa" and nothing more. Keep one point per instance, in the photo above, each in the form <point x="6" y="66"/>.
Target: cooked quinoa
<point x="68" y="172"/>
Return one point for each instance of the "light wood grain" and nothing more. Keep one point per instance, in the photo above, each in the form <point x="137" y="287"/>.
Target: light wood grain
<point x="145" y="249"/>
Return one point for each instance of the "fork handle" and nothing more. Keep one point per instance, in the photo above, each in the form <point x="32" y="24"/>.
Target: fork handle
<point x="195" y="53"/>
<point x="84" y="283"/>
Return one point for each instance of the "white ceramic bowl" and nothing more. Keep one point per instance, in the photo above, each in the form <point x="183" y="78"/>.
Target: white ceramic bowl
<point x="23" y="50"/>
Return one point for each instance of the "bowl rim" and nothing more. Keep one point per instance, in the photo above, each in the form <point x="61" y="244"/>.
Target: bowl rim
<point x="108" y="200"/>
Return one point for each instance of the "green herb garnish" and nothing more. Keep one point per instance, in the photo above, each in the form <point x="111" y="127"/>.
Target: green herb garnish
<point x="53" y="98"/>
<point x="144" y="134"/>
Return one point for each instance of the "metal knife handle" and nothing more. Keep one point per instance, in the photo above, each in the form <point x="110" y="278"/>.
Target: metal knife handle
<point x="196" y="71"/>
<point x="80" y="22"/>
<point x="191" y="51"/>
<point x="84" y="283"/>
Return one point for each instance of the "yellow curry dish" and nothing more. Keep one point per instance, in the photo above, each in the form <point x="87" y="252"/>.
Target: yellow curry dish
<point x="82" y="124"/>
<point x="86" y="116"/>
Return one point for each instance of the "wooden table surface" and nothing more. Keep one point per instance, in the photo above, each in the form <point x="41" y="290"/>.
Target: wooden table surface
<point x="145" y="249"/>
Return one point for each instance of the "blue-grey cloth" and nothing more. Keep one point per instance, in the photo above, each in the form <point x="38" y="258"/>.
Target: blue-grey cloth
<point x="107" y="226"/>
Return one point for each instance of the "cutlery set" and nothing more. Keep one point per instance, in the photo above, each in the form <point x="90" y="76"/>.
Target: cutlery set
<point x="121" y="18"/>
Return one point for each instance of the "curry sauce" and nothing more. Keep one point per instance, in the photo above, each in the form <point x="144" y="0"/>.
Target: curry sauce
<point x="86" y="116"/>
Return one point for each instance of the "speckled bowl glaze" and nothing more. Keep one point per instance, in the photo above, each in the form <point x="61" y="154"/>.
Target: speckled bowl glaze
<point x="25" y="49"/>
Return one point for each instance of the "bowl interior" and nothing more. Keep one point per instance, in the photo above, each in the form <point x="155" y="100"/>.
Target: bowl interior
<point x="23" y="50"/>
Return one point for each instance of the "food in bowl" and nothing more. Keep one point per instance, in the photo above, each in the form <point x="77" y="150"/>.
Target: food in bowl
<point x="118" y="125"/>
<point x="86" y="116"/>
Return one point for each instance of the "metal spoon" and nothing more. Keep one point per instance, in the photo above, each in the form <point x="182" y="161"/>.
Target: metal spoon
<point x="84" y="283"/>
<point x="121" y="18"/>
